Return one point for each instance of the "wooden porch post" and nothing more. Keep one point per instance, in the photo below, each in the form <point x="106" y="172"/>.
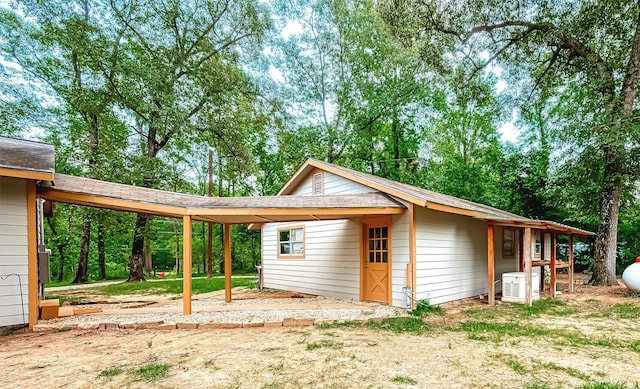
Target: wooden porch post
<point x="32" y="254"/>
<point x="552" y="266"/>
<point x="527" y="265"/>
<point x="227" y="263"/>
<point x="571" y="264"/>
<point x="542" y="258"/>
<point x="521" y="250"/>
<point x="186" y="265"/>
<point x="490" y="265"/>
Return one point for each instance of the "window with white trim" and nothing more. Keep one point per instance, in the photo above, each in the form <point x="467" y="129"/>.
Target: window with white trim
<point x="291" y="242"/>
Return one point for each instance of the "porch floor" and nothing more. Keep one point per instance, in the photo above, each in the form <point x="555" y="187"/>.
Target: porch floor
<point x="247" y="309"/>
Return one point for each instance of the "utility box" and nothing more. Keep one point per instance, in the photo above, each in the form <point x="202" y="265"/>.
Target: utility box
<point x="513" y="289"/>
<point x="43" y="264"/>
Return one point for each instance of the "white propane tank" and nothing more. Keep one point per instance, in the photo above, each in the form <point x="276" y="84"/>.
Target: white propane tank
<point x="631" y="276"/>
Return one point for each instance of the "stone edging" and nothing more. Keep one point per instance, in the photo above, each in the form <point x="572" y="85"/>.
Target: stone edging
<point x="161" y="325"/>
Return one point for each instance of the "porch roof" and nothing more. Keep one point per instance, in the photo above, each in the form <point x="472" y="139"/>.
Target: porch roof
<point x="228" y="210"/>
<point x="538" y="225"/>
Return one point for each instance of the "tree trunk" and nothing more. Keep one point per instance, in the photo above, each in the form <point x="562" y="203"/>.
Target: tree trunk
<point x="604" y="270"/>
<point x="82" y="275"/>
<point x="101" y="254"/>
<point x="60" y="245"/>
<point x="148" y="257"/>
<point x="136" y="266"/>
<point x="220" y="194"/>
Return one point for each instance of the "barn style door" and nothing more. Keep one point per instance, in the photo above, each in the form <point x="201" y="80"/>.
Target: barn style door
<point x="377" y="259"/>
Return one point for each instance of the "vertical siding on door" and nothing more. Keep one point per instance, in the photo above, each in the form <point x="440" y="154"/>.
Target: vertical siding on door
<point x="331" y="266"/>
<point x="14" y="291"/>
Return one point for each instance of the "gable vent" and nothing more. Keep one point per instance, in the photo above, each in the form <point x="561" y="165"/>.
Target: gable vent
<point x="317" y="184"/>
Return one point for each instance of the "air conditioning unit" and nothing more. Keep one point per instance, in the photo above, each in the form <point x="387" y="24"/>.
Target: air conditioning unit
<point x="513" y="287"/>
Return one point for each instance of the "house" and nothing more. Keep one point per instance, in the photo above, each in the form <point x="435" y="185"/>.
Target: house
<point x="22" y="165"/>
<point x="440" y="248"/>
<point x="330" y="231"/>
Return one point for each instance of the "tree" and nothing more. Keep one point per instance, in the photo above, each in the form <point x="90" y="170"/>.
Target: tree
<point x="588" y="54"/>
<point x="178" y="64"/>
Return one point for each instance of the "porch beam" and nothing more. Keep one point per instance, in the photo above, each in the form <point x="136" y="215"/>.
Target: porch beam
<point x="227" y="262"/>
<point x="186" y="264"/>
<point x="527" y="265"/>
<point x="491" y="289"/>
<point x="571" y="264"/>
<point x="552" y="266"/>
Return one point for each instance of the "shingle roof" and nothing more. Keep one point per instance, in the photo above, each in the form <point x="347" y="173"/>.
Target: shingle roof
<point x="28" y="156"/>
<point x="92" y="192"/>
<point x="419" y="196"/>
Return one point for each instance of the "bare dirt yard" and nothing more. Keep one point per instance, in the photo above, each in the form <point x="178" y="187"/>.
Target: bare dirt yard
<point x="589" y="339"/>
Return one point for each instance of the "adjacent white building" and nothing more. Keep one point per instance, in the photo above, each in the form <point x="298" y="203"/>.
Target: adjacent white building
<point x="437" y="250"/>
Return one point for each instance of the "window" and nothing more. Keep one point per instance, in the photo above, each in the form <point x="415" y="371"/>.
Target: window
<point x="317" y="184"/>
<point x="291" y="242"/>
<point x="538" y="246"/>
<point x="508" y="243"/>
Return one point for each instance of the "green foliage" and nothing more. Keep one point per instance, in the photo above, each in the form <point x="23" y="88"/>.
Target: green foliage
<point x="111" y="372"/>
<point x="199" y="285"/>
<point x="152" y="372"/>
<point x="425" y="308"/>
<point x="324" y="344"/>
<point x="412" y="325"/>
<point x="604" y="385"/>
<point x="404" y="380"/>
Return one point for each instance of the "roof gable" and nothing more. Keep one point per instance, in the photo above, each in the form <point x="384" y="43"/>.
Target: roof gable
<point x="412" y="194"/>
<point x="422" y="197"/>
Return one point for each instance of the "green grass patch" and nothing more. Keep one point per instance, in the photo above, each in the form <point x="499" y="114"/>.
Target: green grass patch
<point x="482" y="330"/>
<point x="404" y="380"/>
<point x="552" y="307"/>
<point x="537" y="384"/>
<point x="425" y="308"/>
<point x="622" y="311"/>
<point x="411" y="325"/>
<point x="569" y="370"/>
<point x="605" y="385"/>
<point x="513" y="363"/>
<point x="152" y="372"/>
<point x="111" y="372"/>
<point x="324" y="344"/>
<point x="200" y="285"/>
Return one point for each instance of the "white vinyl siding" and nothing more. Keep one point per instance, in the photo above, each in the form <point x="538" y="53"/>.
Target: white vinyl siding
<point x="14" y="268"/>
<point x="331" y="266"/>
<point x="333" y="185"/>
<point x="399" y="258"/>
<point x="451" y="256"/>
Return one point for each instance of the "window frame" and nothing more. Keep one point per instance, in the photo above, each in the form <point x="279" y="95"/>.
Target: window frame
<point x="278" y="247"/>
<point x="505" y="251"/>
<point x="537" y="242"/>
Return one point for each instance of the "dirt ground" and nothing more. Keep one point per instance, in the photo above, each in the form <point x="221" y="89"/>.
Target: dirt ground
<point x="302" y="357"/>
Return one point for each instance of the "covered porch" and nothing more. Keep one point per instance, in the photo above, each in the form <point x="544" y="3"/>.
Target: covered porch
<point x="225" y="211"/>
<point x="532" y="251"/>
